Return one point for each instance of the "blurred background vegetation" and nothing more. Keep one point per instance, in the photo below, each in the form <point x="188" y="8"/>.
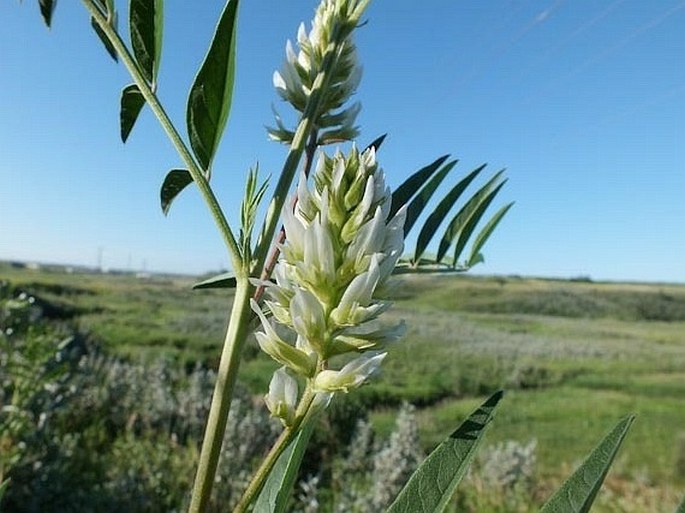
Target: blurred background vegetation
<point x="106" y="381"/>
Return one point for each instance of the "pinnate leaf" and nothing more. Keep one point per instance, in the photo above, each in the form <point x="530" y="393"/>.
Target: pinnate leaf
<point x="132" y="102"/>
<point x="174" y="182"/>
<point x="578" y="493"/>
<point x="438" y="215"/>
<point x="476" y="257"/>
<point x="411" y="185"/>
<point x="473" y="218"/>
<point x="431" y="487"/>
<point x="209" y="101"/>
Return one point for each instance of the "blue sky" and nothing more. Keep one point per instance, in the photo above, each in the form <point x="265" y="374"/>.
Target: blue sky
<point x="582" y="101"/>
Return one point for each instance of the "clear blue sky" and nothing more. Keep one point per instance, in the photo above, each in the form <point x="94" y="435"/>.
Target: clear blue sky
<point x="582" y="101"/>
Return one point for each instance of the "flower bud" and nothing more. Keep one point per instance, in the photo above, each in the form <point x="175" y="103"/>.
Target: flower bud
<point x="282" y="397"/>
<point x="351" y="375"/>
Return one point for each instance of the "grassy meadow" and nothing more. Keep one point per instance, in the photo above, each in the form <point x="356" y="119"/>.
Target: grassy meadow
<point x="574" y="356"/>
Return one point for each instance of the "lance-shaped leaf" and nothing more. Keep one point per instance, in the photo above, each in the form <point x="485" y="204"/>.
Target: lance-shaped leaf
<point x="438" y="215"/>
<point x="278" y="486"/>
<point x="476" y="256"/>
<point x="472" y="222"/>
<point x="174" y="182"/>
<point x="578" y="493"/>
<point x="146" y="23"/>
<point x="419" y="203"/>
<point x="408" y="188"/>
<point x="47" y="8"/>
<point x="431" y="487"/>
<point x="458" y="222"/>
<point x="376" y="143"/>
<point x="132" y="102"/>
<point x="220" y="281"/>
<point x="103" y="37"/>
<point x="209" y="101"/>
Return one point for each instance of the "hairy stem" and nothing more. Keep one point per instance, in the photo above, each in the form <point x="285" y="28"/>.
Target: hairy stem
<point x="151" y="98"/>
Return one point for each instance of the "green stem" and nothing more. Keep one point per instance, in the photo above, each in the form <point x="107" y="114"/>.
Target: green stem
<point x="151" y="98"/>
<point x="221" y="400"/>
<point x="303" y="414"/>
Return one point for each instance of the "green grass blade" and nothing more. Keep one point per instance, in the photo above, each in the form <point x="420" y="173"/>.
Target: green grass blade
<point x="484" y="235"/>
<point x="578" y="493"/>
<point x="174" y="182"/>
<point x="436" y="217"/>
<point x="431" y="487"/>
<point x="472" y="221"/>
<point x="408" y="188"/>
<point x="220" y="281"/>
<point x="458" y="222"/>
<point x="418" y="204"/>
<point x="132" y="102"/>
<point x="209" y="101"/>
<point x="278" y="486"/>
<point x="146" y="26"/>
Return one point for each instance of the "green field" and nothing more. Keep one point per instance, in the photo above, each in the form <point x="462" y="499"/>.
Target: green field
<point x="574" y="357"/>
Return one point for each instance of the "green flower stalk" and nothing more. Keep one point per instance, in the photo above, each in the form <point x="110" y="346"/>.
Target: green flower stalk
<point x="341" y="247"/>
<point x="333" y="23"/>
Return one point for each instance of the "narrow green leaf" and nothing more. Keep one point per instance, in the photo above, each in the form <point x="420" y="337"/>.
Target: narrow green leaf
<point x="438" y="215"/>
<point x="408" y="188"/>
<point x="105" y="41"/>
<point x="209" y="101"/>
<point x="420" y="201"/>
<point x="146" y="23"/>
<point x="472" y="222"/>
<point x="484" y="235"/>
<point x="376" y="144"/>
<point x="278" y="487"/>
<point x="132" y="103"/>
<point x="174" y="182"/>
<point x="458" y="222"/>
<point x="681" y="507"/>
<point x="578" y="493"/>
<point x="431" y="487"/>
<point x="47" y="8"/>
<point x="220" y="281"/>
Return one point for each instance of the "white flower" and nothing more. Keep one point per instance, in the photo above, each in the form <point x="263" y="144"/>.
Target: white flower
<point x="282" y="397"/>
<point x="273" y="345"/>
<point x="351" y="375"/>
<point x="308" y="319"/>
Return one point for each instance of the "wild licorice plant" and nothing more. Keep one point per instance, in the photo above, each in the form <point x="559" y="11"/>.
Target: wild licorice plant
<point x="317" y="285"/>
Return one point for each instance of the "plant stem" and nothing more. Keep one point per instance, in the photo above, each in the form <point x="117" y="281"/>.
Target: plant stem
<point x="151" y="98"/>
<point x="304" y="411"/>
<point x="275" y="252"/>
<point x="221" y="399"/>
